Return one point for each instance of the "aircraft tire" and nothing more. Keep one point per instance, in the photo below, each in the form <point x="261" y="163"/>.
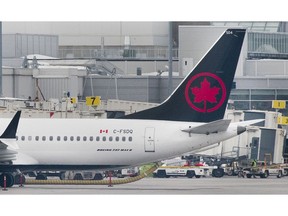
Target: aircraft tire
<point x="9" y="180"/>
<point x="18" y="179"/>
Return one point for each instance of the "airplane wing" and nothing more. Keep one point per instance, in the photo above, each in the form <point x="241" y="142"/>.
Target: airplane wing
<point x="8" y="143"/>
<point x="211" y="127"/>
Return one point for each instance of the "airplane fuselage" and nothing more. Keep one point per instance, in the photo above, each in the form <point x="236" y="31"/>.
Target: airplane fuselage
<point x="106" y="143"/>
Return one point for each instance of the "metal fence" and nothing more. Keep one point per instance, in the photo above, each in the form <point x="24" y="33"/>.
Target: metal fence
<point x="267" y="45"/>
<point x="260" y="99"/>
<point x="260" y="45"/>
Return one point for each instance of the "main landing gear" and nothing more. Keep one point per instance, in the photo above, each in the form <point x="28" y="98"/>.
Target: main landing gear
<point x="9" y="179"/>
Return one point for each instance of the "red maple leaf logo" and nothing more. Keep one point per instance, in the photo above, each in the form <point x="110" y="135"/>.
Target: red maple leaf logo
<point x="205" y="93"/>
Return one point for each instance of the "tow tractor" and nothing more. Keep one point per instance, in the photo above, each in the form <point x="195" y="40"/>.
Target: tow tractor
<point x="188" y="171"/>
<point x="265" y="169"/>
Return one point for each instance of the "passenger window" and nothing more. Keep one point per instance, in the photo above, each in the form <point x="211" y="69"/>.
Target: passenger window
<point x="130" y="139"/>
<point x="43" y="138"/>
<point x="58" y="138"/>
<point x="104" y="138"/>
<point x="84" y="138"/>
<point x="71" y="138"/>
<point x="37" y="138"/>
<point x="78" y="138"/>
<point x="123" y="139"/>
<point x="91" y="138"/>
<point x="110" y="138"/>
<point x="29" y="138"/>
<point x="51" y="138"/>
<point x="23" y="138"/>
<point x="117" y="138"/>
<point x="65" y="138"/>
<point x="97" y="138"/>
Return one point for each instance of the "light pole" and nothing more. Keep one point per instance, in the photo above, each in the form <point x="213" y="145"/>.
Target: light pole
<point x="170" y="84"/>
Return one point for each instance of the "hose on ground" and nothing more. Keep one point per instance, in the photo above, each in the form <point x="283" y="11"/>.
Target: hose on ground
<point x="93" y="182"/>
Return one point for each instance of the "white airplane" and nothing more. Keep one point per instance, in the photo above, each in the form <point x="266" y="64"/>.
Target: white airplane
<point x="191" y="118"/>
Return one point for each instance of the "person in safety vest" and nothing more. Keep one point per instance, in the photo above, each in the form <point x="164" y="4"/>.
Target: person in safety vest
<point x="254" y="168"/>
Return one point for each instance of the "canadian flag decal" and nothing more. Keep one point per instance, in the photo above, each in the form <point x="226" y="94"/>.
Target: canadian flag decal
<point x="103" y="131"/>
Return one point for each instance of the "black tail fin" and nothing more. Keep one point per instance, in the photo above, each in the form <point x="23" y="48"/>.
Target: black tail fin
<point x="10" y="132"/>
<point x="202" y="96"/>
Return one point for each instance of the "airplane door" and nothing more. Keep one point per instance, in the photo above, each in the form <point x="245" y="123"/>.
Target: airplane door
<point x="149" y="139"/>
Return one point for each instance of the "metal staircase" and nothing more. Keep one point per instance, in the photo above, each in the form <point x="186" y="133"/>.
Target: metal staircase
<point x="103" y="67"/>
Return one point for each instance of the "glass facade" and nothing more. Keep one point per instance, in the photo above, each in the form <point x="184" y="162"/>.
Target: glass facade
<point x="265" y="39"/>
<point x="252" y="26"/>
<point x="267" y="45"/>
<point x="260" y="99"/>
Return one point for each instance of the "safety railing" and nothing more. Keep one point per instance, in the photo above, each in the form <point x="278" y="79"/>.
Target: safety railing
<point x="120" y="53"/>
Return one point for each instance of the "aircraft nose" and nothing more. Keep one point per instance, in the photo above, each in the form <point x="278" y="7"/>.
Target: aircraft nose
<point x="240" y="129"/>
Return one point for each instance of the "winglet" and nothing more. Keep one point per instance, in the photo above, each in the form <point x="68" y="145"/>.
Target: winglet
<point x="10" y="132"/>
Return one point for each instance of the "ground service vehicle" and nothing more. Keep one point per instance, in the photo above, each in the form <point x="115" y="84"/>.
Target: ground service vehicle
<point x="186" y="171"/>
<point x="266" y="168"/>
<point x="264" y="171"/>
<point x="84" y="175"/>
<point x="128" y="172"/>
<point x="232" y="169"/>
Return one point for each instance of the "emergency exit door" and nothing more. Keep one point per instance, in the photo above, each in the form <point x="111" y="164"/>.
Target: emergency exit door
<point x="149" y="139"/>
